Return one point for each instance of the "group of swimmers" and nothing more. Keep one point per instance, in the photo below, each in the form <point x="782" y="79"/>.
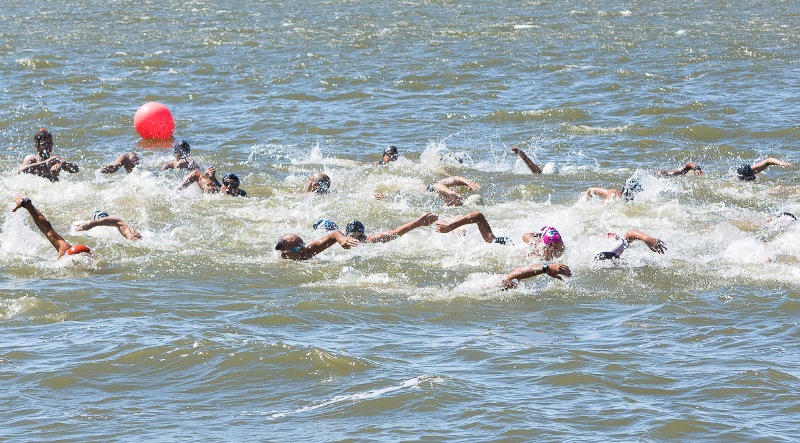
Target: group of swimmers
<point x="546" y="244"/>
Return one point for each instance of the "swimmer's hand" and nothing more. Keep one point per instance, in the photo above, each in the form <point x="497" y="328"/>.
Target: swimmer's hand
<point x="557" y="270"/>
<point x="443" y="227"/>
<point x="473" y="185"/>
<point x="347" y="242"/>
<point x="428" y="219"/>
<point x="655" y="245"/>
<point x="380" y="196"/>
<point x="19" y="201"/>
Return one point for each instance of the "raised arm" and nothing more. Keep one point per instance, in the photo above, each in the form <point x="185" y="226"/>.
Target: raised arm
<point x="764" y="164"/>
<point x="43" y="224"/>
<point x="554" y="270"/>
<point x="474" y="217"/>
<point x="528" y="162"/>
<point x="383" y="237"/>
<point x="653" y="243"/>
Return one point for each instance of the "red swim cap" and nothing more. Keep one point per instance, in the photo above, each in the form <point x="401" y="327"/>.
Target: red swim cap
<point x="77" y="249"/>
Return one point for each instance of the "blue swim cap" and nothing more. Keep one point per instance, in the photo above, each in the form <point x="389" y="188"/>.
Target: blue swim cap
<point x="97" y="215"/>
<point x="354" y="226"/>
<point x="326" y="225"/>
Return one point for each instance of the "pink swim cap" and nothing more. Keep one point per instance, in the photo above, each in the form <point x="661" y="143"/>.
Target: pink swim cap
<point x="550" y="235"/>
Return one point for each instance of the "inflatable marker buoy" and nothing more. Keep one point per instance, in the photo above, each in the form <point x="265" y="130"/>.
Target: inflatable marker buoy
<point x="154" y="120"/>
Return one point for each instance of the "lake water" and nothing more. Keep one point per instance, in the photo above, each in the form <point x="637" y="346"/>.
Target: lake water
<point x="200" y="332"/>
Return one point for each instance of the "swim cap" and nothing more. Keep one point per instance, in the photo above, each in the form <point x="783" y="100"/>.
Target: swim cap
<point x="181" y="147"/>
<point x="43" y="136"/>
<point x="354" y="226"/>
<point x="78" y="249"/>
<point x="502" y="240"/>
<point x="631" y="187"/>
<point x="745" y="172"/>
<point x="97" y="215"/>
<point x="606" y="256"/>
<point x="326" y="225"/>
<point x="550" y="235"/>
<point x="390" y="151"/>
<point x="231" y="176"/>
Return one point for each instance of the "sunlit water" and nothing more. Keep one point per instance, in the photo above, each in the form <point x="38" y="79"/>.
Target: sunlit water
<point x="201" y="332"/>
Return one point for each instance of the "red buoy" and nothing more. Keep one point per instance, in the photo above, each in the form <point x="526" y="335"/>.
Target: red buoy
<point x="153" y="120"/>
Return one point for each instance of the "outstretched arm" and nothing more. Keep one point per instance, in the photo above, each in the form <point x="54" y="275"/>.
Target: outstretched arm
<point x="606" y="193"/>
<point x="315" y="247"/>
<point x="690" y="166"/>
<point x="764" y="164"/>
<point x="555" y="270"/>
<point x="475" y="217"/>
<point x="383" y="237"/>
<point x="528" y="162"/>
<point x="653" y="243"/>
<point x="115" y="222"/>
<point x="460" y="181"/>
<point x="43" y="224"/>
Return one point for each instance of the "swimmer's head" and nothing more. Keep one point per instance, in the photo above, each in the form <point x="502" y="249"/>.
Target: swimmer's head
<point x="327" y="225"/>
<point x="631" y="188"/>
<point x="79" y="249"/>
<point x="355" y="229"/>
<point x="231" y="180"/>
<point x="97" y="215"/>
<point x="745" y="172"/>
<point x="43" y="140"/>
<point x="181" y="148"/>
<point x="390" y="154"/>
<point x="431" y="187"/>
<point x="550" y="235"/>
<point x="319" y="183"/>
<point x="290" y="243"/>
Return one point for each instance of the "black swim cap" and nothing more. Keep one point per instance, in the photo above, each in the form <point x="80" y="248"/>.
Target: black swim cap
<point x="391" y="150"/>
<point x="42" y="136"/>
<point x="745" y="172"/>
<point x="354" y="226"/>
<point x="606" y="256"/>
<point x="181" y="147"/>
<point x="230" y="176"/>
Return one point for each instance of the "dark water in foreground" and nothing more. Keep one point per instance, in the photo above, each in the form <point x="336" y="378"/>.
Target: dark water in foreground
<point x="200" y="332"/>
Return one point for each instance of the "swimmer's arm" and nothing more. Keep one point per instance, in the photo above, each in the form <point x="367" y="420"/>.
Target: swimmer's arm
<point x="460" y="181"/>
<point x="43" y="224"/>
<point x="474" y="217"/>
<point x="690" y="166"/>
<point x="555" y="271"/>
<point x="115" y="222"/>
<point x="601" y="192"/>
<point x="383" y="237"/>
<point x="764" y="164"/>
<point x="315" y="247"/>
<point x="29" y="165"/>
<point x="449" y="197"/>
<point x="532" y="238"/>
<point x="69" y="166"/>
<point x="528" y="162"/>
<point x="653" y="243"/>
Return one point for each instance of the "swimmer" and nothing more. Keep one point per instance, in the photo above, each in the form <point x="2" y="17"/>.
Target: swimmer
<point x="547" y="243"/>
<point x="631" y="188"/>
<point x="292" y="246"/>
<point x="473" y="218"/>
<point x="553" y="270"/>
<point x="318" y="183"/>
<point x="355" y="229"/>
<point x="101" y="218"/>
<point x="450" y="197"/>
<point x="690" y="166"/>
<point x="210" y="185"/>
<point x="389" y="155"/>
<point x="129" y="160"/>
<point x="747" y="172"/>
<point x="622" y="243"/>
<point x="182" y="160"/>
<point x="528" y="162"/>
<point x="62" y="246"/>
<point x="43" y="164"/>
